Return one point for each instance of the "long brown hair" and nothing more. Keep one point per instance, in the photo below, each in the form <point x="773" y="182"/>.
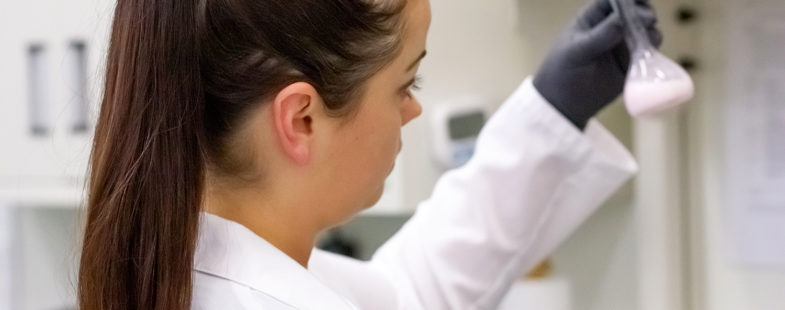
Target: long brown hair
<point x="180" y="76"/>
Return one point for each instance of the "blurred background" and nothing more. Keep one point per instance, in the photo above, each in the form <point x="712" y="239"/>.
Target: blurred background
<point x="702" y="226"/>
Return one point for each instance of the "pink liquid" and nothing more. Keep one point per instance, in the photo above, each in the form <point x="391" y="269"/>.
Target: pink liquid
<point x="645" y="98"/>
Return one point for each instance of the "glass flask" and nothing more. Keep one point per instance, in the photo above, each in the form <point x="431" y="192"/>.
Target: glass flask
<point x="654" y="82"/>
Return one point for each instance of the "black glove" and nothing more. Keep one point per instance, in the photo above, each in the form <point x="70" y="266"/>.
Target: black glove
<point x="587" y="67"/>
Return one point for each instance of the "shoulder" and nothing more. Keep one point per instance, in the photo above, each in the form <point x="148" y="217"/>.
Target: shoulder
<point x="213" y="292"/>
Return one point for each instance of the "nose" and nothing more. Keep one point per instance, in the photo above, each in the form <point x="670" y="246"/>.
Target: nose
<point x="410" y="111"/>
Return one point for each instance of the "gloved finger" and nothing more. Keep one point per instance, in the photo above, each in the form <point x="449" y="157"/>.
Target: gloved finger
<point x="646" y="16"/>
<point x="596" y="12"/>
<point x="601" y="38"/>
<point x="642" y="2"/>
<point x="643" y="8"/>
<point x="655" y="36"/>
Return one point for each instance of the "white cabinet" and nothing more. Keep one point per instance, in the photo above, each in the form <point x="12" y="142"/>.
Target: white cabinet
<point x="50" y="81"/>
<point x="49" y="88"/>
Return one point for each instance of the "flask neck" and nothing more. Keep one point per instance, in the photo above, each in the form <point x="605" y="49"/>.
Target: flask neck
<point x="635" y="33"/>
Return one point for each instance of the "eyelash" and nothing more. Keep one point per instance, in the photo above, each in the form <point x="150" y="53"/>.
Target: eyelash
<point x="414" y="85"/>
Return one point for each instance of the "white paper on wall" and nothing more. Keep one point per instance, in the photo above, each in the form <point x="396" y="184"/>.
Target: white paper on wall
<point x="755" y="142"/>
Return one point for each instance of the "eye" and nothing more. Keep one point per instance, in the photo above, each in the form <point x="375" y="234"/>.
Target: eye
<point x="417" y="84"/>
<point x="413" y="85"/>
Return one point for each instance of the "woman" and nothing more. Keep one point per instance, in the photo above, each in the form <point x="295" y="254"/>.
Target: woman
<point x="233" y="132"/>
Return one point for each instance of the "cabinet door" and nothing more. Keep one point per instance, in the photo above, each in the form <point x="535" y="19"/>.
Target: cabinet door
<point x="49" y="88"/>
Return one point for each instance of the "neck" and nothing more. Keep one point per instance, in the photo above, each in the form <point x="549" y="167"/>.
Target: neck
<point x="274" y="220"/>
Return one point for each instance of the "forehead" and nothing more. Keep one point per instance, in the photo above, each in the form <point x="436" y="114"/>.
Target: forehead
<point x="416" y="22"/>
<point x="418" y="14"/>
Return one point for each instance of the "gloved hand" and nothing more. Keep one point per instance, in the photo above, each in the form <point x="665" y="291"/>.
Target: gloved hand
<point x="587" y="67"/>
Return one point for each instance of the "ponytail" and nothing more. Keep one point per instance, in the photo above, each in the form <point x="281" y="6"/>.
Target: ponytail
<point x="147" y="165"/>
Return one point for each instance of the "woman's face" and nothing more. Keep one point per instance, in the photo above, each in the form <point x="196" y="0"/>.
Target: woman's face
<point x="364" y="148"/>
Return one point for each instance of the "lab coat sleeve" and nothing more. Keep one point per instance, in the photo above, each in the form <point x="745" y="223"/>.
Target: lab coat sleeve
<point x="533" y="180"/>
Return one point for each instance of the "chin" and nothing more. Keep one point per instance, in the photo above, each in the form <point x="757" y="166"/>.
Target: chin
<point x="374" y="198"/>
<point x="367" y="204"/>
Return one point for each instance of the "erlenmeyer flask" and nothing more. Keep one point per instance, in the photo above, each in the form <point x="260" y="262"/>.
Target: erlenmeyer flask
<point x="654" y="82"/>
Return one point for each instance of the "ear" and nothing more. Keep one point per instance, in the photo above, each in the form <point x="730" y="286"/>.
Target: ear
<point x="293" y="112"/>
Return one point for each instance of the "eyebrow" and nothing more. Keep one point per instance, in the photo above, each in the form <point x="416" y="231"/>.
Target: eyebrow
<point x="417" y="61"/>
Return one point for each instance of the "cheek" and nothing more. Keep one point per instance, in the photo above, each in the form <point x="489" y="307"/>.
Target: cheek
<point x="364" y="156"/>
<point x="377" y="142"/>
<point x="381" y="139"/>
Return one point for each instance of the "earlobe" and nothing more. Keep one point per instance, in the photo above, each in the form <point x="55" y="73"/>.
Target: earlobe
<point x="293" y="116"/>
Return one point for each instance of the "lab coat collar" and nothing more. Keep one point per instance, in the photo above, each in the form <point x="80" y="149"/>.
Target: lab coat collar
<point x="229" y="250"/>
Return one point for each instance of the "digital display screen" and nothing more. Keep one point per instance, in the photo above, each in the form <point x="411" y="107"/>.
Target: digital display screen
<point x="466" y="126"/>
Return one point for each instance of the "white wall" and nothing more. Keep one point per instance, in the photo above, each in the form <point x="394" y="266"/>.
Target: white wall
<point x="721" y="284"/>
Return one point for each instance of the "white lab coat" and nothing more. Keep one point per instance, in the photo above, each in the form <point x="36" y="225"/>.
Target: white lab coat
<point x="532" y="181"/>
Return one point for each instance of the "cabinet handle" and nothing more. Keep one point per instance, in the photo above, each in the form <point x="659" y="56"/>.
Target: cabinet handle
<point x="37" y="94"/>
<point x="76" y="77"/>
